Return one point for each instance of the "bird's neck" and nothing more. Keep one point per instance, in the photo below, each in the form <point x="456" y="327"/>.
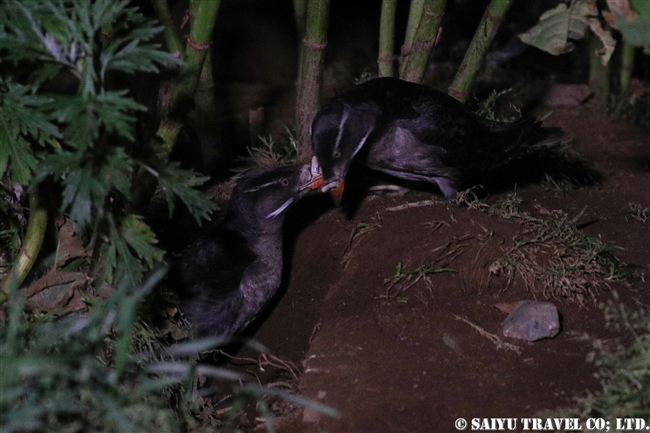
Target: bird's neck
<point x="261" y="279"/>
<point x="264" y="239"/>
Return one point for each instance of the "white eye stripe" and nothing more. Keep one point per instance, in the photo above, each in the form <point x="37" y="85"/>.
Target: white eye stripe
<point x="363" y="140"/>
<point x="344" y="119"/>
<point x="264" y="185"/>
<point x="279" y="210"/>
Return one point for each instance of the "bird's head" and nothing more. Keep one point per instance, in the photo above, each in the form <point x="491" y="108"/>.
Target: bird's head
<point x="338" y="132"/>
<point x="266" y="195"/>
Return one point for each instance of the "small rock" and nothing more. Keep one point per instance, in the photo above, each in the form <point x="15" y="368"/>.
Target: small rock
<point x="567" y="95"/>
<point x="532" y="321"/>
<point x="310" y="416"/>
<point x="450" y="341"/>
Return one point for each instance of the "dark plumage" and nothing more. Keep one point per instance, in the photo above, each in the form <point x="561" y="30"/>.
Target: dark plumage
<point x="415" y="132"/>
<point x="225" y="279"/>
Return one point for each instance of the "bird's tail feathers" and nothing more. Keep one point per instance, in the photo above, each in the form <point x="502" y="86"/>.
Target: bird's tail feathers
<point x="526" y="133"/>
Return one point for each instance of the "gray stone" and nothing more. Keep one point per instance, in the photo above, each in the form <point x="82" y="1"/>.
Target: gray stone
<point x="567" y="95"/>
<point x="532" y="320"/>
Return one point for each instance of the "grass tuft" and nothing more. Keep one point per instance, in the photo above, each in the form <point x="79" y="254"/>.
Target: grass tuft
<point x="403" y="279"/>
<point x="623" y="367"/>
<point x="270" y="154"/>
<point x="554" y="259"/>
<point x="639" y="212"/>
<point x="565" y="169"/>
<point x="487" y="108"/>
<point x="632" y="106"/>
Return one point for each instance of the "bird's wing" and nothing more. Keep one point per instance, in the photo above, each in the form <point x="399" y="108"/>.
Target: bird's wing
<point x="207" y="276"/>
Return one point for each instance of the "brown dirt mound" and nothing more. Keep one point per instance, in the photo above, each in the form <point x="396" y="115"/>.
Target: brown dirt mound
<point x="415" y="354"/>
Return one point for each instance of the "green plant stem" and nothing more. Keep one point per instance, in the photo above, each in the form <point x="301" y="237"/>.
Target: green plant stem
<point x="473" y="60"/>
<point x="172" y="37"/>
<point x="386" y="38"/>
<point x="309" y="86"/>
<point x="300" y="15"/>
<point x="415" y="57"/>
<point x="207" y="118"/>
<point x="38" y="216"/>
<point x="627" y="65"/>
<point x="202" y="17"/>
<point x="598" y="73"/>
<point x="415" y="13"/>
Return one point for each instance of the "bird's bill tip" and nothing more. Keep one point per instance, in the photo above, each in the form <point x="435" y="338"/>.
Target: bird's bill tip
<point x="337" y="192"/>
<point x="316" y="182"/>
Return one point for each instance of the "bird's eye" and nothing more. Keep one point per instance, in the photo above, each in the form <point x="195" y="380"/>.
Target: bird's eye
<point x="337" y="154"/>
<point x="285" y="182"/>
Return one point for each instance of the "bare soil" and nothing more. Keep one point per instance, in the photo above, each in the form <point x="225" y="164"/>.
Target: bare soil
<point x="418" y="361"/>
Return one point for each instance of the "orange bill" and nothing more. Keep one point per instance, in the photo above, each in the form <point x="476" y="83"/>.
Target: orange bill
<point x="337" y="192"/>
<point x="316" y="180"/>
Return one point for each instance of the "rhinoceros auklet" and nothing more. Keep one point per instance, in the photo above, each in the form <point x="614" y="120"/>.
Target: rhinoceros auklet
<point x="418" y="133"/>
<point x="226" y="278"/>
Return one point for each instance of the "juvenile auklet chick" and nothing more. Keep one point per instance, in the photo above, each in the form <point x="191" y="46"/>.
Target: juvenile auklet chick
<point x="415" y="132"/>
<point x="226" y="278"/>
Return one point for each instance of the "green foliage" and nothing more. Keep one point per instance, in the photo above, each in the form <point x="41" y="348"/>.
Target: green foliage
<point x="487" y="108"/>
<point x="179" y="183"/>
<point x="270" y="154"/>
<point x="111" y="372"/>
<point x="636" y="28"/>
<point x="132" y="238"/>
<point x="79" y="138"/>
<point x="81" y="374"/>
<point x="559" y="27"/>
<point x="623" y="366"/>
<point x="22" y="123"/>
<point x="57" y="374"/>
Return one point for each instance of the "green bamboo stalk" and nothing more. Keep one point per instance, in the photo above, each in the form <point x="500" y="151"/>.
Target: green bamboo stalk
<point x="415" y="57"/>
<point x="207" y="118"/>
<point x="38" y="216"/>
<point x="170" y="33"/>
<point x="598" y="73"/>
<point x="487" y="28"/>
<point x="300" y="15"/>
<point x="415" y="14"/>
<point x="627" y="65"/>
<point x="202" y="18"/>
<point x="386" y="38"/>
<point x="309" y="86"/>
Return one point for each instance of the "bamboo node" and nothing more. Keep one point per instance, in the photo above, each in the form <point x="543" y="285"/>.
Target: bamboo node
<point x="424" y="44"/>
<point x="195" y="45"/>
<point x="461" y="96"/>
<point x="385" y="59"/>
<point x="489" y="17"/>
<point x="314" y="45"/>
